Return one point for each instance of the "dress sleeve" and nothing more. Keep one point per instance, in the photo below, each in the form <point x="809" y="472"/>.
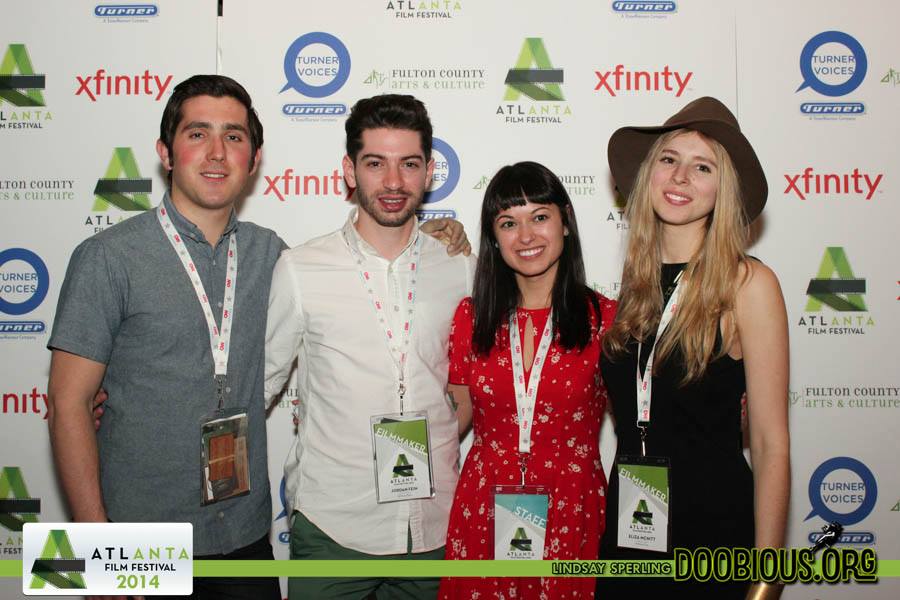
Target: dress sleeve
<point x="460" y="348"/>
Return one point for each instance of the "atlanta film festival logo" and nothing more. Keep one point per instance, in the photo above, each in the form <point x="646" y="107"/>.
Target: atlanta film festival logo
<point x="316" y="65"/>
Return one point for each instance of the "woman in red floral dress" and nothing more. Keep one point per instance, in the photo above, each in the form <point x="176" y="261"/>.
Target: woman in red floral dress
<point x="530" y="264"/>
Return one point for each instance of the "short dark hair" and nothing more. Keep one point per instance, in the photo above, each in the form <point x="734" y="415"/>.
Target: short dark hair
<point x="391" y="111"/>
<point x="495" y="293"/>
<point x="217" y="86"/>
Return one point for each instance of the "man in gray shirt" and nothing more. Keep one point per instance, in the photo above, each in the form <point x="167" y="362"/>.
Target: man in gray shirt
<point x="130" y="318"/>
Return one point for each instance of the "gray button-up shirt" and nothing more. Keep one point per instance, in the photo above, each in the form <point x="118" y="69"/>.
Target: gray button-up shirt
<point x="127" y="302"/>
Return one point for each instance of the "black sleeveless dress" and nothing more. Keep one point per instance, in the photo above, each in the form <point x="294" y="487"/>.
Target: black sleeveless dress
<point x="698" y="427"/>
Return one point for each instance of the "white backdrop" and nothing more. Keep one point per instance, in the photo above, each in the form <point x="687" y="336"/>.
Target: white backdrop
<point x="613" y="65"/>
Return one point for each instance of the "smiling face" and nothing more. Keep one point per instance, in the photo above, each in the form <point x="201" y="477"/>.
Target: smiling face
<point x="211" y="153"/>
<point x="390" y="175"/>
<point x="531" y="239"/>
<point x="684" y="180"/>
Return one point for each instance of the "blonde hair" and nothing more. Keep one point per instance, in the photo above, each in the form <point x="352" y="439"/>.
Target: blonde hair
<point x="710" y="280"/>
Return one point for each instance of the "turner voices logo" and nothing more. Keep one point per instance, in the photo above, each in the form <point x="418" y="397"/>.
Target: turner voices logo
<point x="843" y="489"/>
<point x="316" y="65"/>
<point x="443" y="182"/>
<point x="24" y="283"/>
<point x="832" y="64"/>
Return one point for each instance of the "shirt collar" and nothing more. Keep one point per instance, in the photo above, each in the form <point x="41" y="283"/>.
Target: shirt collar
<point x="358" y="244"/>
<point x="186" y="228"/>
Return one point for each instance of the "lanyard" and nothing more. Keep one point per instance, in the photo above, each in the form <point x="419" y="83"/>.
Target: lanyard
<point x="645" y="382"/>
<point x="219" y="339"/>
<point x="527" y="397"/>
<point x="398" y="345"/>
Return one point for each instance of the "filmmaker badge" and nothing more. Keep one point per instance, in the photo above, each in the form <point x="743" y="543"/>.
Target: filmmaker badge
<point x="643" y="503"/>
<point x="402" y="454"/>
<point x="520" y="522"/>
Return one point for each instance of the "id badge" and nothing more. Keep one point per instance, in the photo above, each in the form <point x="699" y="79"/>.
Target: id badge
<point x="644" y="500"/>
<point x="402" y="452"/>
<point x="226" y="467"/>
<point x="520" y="521"/>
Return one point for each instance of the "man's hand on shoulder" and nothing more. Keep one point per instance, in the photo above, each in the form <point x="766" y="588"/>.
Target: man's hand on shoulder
<point x="450" y="232"/>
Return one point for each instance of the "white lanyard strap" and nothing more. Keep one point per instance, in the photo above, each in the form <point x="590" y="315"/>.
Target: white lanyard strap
<point x="526" y="398"/>
<point x="397" y="343"/>
<point x="645" y="382"/>
<point x="219" y="338"/>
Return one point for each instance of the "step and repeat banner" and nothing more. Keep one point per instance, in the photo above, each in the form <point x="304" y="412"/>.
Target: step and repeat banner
<point x="815" y="85"/>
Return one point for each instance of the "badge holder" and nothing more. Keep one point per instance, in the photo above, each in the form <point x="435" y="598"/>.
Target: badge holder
<point x="520" y="521"/>
<point x="226" y="467"/>
<point x="645" y="488"/>
<point x="401" y="448"/>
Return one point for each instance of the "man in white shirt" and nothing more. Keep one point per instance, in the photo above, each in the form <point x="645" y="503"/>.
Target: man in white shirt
<point x="367" y="309"/>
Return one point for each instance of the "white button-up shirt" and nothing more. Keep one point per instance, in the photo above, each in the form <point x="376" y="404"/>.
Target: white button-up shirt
<point x="320" y="312"/>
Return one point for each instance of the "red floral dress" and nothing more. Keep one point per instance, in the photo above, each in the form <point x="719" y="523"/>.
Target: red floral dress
<point x="565" y="455"/>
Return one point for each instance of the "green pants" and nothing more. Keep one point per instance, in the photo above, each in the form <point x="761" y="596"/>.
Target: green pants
<point x="308" y="542"/>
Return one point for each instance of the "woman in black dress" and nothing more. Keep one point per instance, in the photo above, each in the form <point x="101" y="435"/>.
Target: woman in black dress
<point x="693" y="187"/>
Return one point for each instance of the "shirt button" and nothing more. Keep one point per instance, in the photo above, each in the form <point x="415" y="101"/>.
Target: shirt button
<point x="221" y="515"/>
<point x="227" y="390"/>
<point x="219" y="304"/>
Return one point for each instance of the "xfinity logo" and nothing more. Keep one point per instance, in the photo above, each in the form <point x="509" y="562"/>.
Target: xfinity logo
<point x="621" y="79"/>
<point x="102" y="83"/>
<point x="808" y="182"/>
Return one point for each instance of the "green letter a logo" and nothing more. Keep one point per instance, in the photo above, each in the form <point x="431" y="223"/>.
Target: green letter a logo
<point x="49" y="569"/>
<point x="16" y="74"/>
<point x="21" y="504"/>
<point x="523" y="79"/>
<point x="403" y="468"/>
<point x="520" y="541"/>
<point x="826" y="289"/>
<point x="113" y="187"/>
<point x="642" y="514"/>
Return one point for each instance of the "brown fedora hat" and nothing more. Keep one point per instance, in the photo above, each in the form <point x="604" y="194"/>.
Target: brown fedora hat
<point x="629" y="146"/>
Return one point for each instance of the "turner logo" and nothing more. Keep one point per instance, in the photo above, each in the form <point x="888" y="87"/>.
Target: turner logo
<point x="17" y="507"/>
<point x="316" y="65"/>
<point x="24" y="283"/>
<point x="832" y="64"/>
<point x="290" y="184"/>
<point x="843" y="489"/>
<point x="444" y="181"/>
<point x="122" y="186"/>
<point x="621" y="79"/>
<point x="643" y="8"/>
<point x="57" y="564"/>
<point x="102" y="83"/>
<point x="840" y="290"/>
<point x="854" y="183"/>
<point x="126" y="10"/>
<point x="19" y="85"/>
<point x="534" y="77"/>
